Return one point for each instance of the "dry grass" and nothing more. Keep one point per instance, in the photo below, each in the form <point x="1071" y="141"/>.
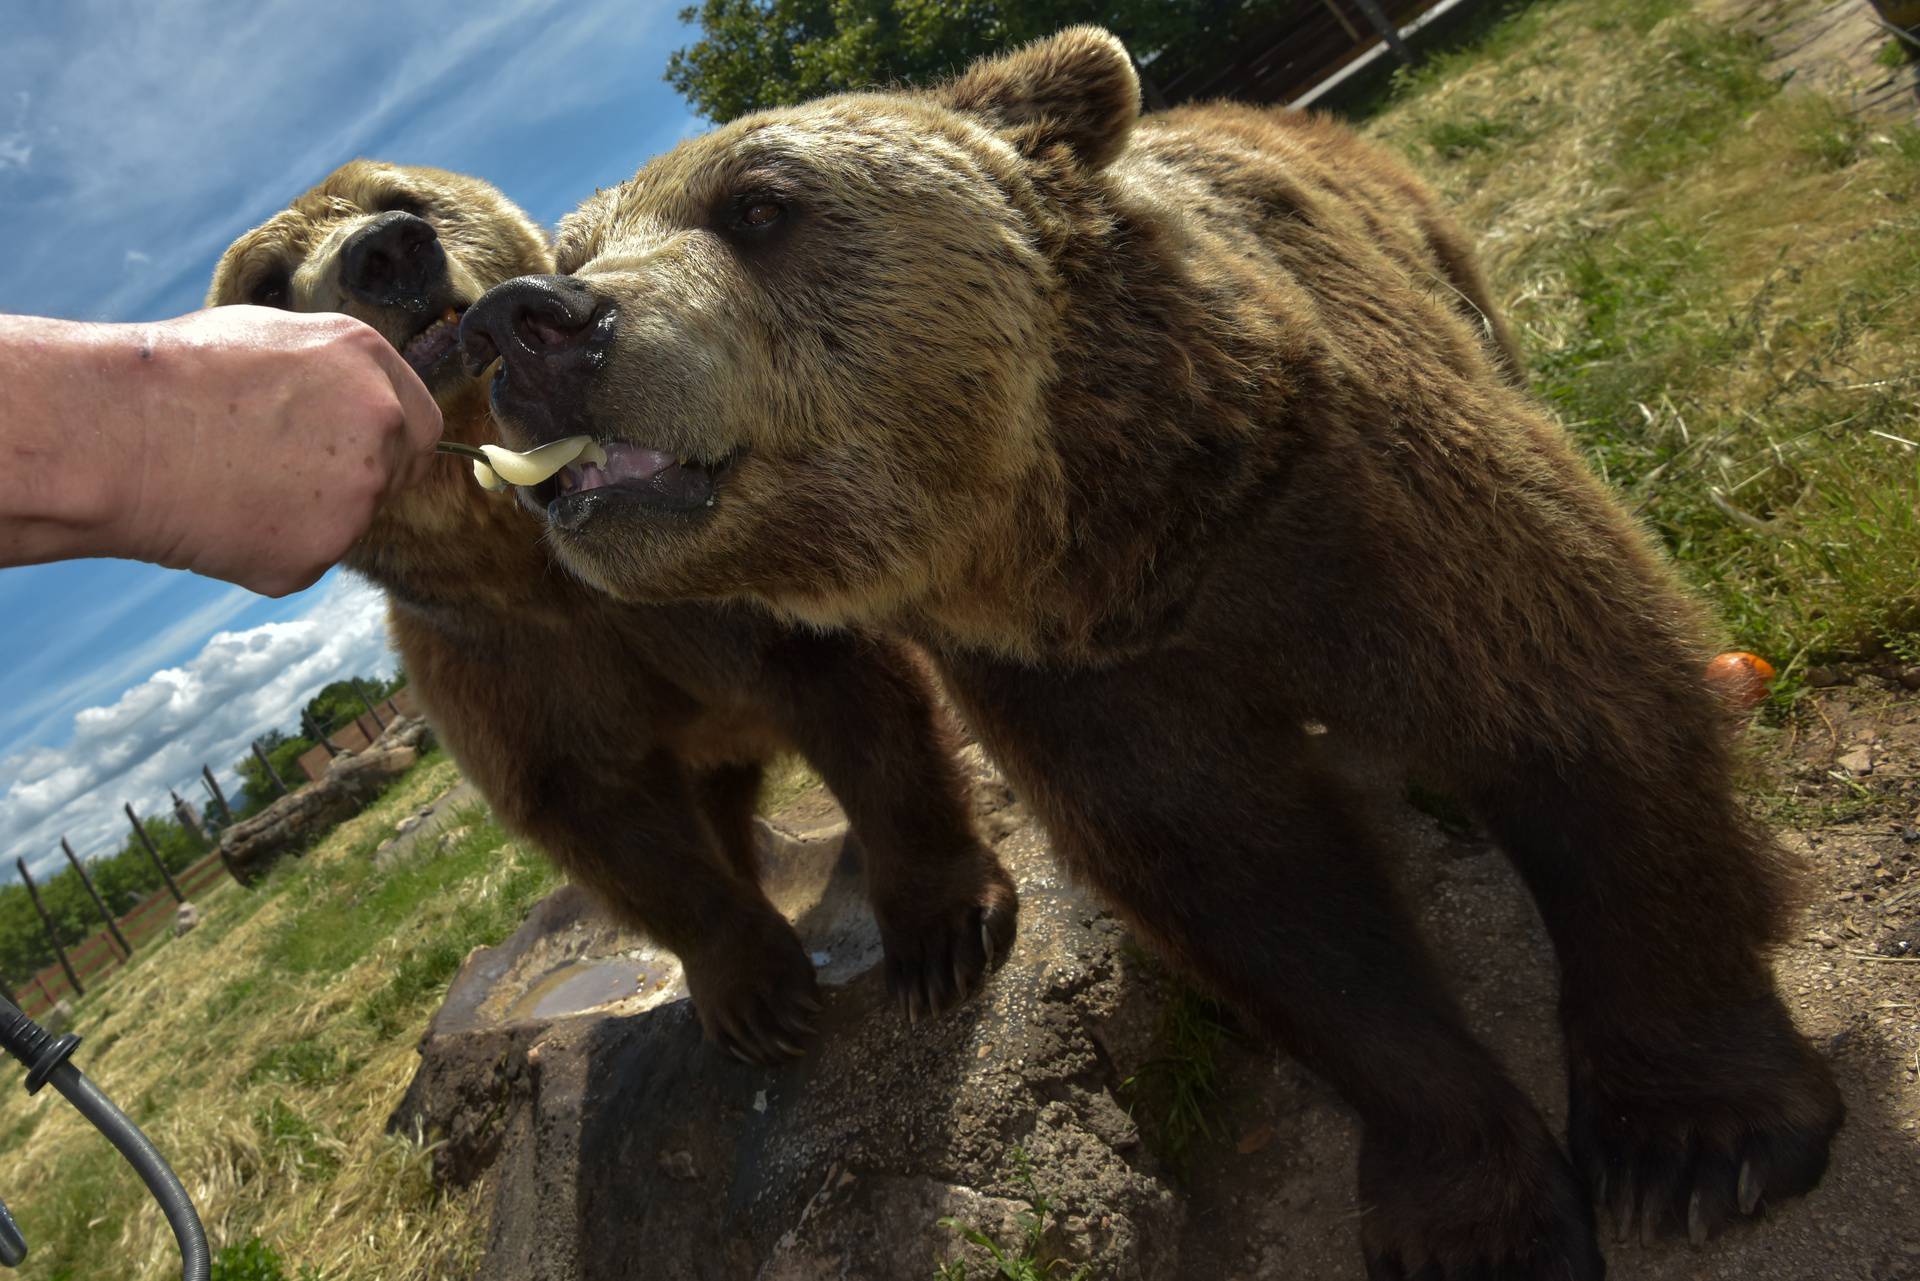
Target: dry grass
<point x="1715" y="277"/>
<point x="264" y="1052"/>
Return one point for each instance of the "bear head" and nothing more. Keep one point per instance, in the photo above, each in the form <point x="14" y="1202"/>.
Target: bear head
<point x="816" y="342"/>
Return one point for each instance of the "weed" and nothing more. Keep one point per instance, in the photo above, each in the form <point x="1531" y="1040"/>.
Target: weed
<point x="1179" y="1089"/>
<point x="1456" y="138"/>
<point x="308" y="1061"/>
<point x="1027" y="1259"/>
<point x="253" y="1260"/>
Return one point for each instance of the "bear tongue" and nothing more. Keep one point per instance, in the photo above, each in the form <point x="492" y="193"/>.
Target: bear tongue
<point x="624" y="462"/>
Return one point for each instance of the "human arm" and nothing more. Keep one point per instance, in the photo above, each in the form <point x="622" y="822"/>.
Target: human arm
<point x="243" y="443"/>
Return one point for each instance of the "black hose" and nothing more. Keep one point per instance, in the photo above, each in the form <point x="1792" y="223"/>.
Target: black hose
<point x="46" y="1060"/>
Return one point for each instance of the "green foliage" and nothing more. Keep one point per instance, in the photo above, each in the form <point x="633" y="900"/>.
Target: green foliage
<point x="754" y="54"/>
<point x="257" y="788"/>
<point x="345" y="699"/>
<point x="1897" y="53"/>
<point x="1455" y="138"/>
<point x="1026" y="1260"/>
<point x="252" y="1260"/>
<point x="1178" y="1090"/>
<point x="123" y="879"/>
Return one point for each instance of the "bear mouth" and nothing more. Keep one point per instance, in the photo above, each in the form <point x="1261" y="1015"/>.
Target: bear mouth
<point x="431" y="345"/>
<point x="632" y="476"/>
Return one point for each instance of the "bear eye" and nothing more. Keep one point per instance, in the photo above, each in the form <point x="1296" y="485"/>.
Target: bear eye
<point x="756" y="212"/>
<point x="270" y="290"/>
<point x="400" y="202"/>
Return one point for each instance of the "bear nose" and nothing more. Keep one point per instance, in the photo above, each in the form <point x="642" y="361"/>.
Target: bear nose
<point x="393" y="261"/>
<point x="549" y="332"/>
<point x="528" y="320"/>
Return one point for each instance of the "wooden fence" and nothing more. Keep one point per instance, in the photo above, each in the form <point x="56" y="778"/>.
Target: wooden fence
<point x="1299" y="53"/>
<point x="94" y="955"/>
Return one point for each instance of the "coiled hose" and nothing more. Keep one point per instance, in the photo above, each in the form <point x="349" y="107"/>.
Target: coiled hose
<point x="46" y="1058"/>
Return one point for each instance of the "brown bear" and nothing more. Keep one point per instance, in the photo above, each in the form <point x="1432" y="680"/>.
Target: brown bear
<point x="1160" y="434"/>
<point x="627" y="741"/>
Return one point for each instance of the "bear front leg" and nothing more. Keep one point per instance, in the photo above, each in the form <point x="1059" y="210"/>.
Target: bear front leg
<point x="863" y="713"/>
<point x="1693" y="1101"/>
<point x="1200" y="815"/>
<point x="1459" y="1177"/>
<point x="639" y="839"/>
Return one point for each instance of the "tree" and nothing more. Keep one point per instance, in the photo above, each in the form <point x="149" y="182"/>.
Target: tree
<point x="257" y="790"/>
<point x="767" y="53"/>
<point x="342" y="700"/>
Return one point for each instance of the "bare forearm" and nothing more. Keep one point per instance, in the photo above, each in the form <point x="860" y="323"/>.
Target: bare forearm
<point x="241" y="443"/>
<point x="67" y="460"/>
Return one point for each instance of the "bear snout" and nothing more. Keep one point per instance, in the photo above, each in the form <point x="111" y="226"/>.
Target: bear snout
<point x="394" y="261"/>
<point x="549" y="333"/>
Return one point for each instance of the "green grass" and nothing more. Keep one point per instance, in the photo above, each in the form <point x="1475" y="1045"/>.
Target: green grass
<point x="1026" y="1258"/>
<point x="1177" y="1093"/>
<point x="283" y="1038"/>
<point x="253" y="1260"/>
<point x="1713" y="275"/>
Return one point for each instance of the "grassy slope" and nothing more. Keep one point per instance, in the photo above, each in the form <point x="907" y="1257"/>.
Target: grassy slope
<point x="1715" y="279"/>
<point x="264" y="1051"/>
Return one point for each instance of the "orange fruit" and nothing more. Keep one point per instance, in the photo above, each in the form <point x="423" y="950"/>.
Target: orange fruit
<point x="1741" y="677"/>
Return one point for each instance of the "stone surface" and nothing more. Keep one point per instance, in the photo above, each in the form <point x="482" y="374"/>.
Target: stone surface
<point x="618" y="1145"/>
<point x="185" y="918"/>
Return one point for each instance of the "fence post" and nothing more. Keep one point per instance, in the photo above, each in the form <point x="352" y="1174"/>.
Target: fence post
<point x="113" y="926"/>
<point x="53" y="936"/>
<point x="316" y="733"/>
<point x="154" y="854"/>
<point x="267" y="765"/>
<point x="213" y="790"/>
<point x="1384" y="25"/>
<point x="187" y="818"/>
<point x="362" y="695"/>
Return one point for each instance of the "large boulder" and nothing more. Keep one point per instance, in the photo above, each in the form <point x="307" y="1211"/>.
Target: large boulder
<point x="352" y="782"/>
<point x="567" y="1064"/>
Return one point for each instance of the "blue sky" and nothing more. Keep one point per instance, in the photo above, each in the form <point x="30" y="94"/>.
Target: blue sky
<point x="136" y="141"/>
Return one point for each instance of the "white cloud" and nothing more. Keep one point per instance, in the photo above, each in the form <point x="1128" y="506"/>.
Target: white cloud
<point x="156" y="734"/>
<point x="137" y="259"/>
<point x="207" y="116"/>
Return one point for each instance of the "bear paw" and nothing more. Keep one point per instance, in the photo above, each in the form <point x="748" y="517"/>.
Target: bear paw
<point x="1692" y="1139"/>
<point x="755" y="993"/>
<point x="1517" y="1215"/>
<point x="943" y="939"/>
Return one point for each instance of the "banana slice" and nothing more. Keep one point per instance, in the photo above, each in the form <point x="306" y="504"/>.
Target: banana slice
<point x="534" y="466"/>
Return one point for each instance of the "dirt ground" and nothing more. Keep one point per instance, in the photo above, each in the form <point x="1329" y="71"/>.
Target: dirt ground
<point x="1272" y="1197"/>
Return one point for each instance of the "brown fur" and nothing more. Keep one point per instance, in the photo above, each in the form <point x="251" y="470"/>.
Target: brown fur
<point x="1168" y="437"/>
<point x="627" y="741"/>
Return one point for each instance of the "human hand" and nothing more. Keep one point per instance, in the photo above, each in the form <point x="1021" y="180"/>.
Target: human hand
<point x="271" y="439"/>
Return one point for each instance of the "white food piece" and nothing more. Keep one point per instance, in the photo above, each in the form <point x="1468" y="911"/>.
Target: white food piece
<point x="489" y="479"/>
<point x="536" y="465"/>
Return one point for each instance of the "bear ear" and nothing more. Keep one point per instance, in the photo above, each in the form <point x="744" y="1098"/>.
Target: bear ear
<point x="1077" y="88"/>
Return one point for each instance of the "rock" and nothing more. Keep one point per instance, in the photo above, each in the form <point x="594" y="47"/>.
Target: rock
<point x="568" y="1067"/>
<point x="59" y="1018"/>
<point x="185" y="918"/>
<point x="1858" y="761"/>
<point x="351" y="782"/>
<point x="1910" y="677"/>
